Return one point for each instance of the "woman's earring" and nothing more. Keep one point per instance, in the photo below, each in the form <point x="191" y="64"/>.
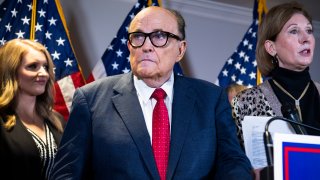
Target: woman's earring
<point x="275" y="61"/>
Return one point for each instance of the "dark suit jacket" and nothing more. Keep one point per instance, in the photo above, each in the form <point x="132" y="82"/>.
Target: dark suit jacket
<point x="19" y="155"/>
<point x="106" y="136"/>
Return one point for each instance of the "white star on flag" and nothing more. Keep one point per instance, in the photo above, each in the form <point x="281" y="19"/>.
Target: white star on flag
<point x="68" y="62"/>
<point x="55" y="55"/>
<point x="52" y="21"/>
<point x="60" y="41"/>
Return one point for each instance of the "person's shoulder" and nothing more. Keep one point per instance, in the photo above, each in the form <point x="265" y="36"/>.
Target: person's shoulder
<point x="317" y="84"/>
<point x="102" y="84"/>
<point x="249" y="95"/>
<point x="198" y="83"/>
<point x="249" y="92"/>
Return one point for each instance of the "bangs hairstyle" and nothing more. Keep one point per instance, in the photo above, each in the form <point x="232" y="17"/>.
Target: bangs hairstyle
<point x="11" y="55"/>
<point x="269" y="29"/>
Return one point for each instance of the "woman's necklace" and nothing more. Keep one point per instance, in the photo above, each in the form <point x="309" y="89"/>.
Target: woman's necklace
<point x="296" y="101"/>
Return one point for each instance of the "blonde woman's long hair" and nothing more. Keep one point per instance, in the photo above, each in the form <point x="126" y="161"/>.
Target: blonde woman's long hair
<point x="11" y="55"/>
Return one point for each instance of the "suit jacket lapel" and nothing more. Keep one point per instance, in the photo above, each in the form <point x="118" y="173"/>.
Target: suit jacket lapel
<point x="127" y="104"/>
<point x="182" y="110"/>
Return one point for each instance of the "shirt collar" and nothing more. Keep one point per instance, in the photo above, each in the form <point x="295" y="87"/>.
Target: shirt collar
<point x="145" y="92"/>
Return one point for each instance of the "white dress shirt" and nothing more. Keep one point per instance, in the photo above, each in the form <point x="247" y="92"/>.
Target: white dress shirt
<point x="147" y="103"/>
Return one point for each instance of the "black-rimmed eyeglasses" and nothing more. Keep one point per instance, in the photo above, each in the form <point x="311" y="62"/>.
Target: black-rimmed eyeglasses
<point x="157" y="38"/>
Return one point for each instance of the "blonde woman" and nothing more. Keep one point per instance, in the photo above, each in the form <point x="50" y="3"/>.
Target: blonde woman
<point x="30" y="130"/>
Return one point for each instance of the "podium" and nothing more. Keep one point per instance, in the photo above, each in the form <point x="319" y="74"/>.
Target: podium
<point x="296" y="157"/>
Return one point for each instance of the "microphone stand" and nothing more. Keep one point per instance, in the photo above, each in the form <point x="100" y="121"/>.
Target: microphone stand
<point x="268" y="139"/>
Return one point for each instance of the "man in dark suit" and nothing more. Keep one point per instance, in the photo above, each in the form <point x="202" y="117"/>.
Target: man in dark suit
<point x="113" y="130"/>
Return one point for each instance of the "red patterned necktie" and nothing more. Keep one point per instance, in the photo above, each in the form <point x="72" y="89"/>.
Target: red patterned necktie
<point x="160" y="132"/>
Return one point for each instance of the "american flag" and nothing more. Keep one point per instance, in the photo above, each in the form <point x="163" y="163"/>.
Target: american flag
<point x="47" y="27"/>
<point x="241" y="67"/>
<point x="115" y="59"/>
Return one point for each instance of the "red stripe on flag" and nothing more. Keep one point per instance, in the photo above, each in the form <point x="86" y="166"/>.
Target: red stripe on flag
<point x="60" y="104"/>
<point x="77" y="79"/>
<point x="90" y="78"/>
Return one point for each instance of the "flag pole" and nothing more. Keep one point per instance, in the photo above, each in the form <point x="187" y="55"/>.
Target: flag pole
<point x="60" y="11"/>
<point x="262" y="9"/>
<point x="150" y="2"/>
<point x="33" y="19"/>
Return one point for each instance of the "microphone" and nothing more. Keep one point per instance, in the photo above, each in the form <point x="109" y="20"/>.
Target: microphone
<point x="268" y="144"/>
<point x="290" y="112"/>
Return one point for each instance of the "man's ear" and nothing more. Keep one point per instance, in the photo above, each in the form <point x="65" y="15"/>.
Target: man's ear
<point x="182" y="50"/>
<point x="270" y="47"/>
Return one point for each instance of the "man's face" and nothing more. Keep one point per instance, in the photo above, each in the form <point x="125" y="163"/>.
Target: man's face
<point x="148" y="61"/>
